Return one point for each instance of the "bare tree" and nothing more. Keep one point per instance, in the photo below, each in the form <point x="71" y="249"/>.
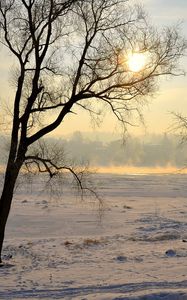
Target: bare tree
<point x="75" y="54"/>
<point x="179" y="126"/>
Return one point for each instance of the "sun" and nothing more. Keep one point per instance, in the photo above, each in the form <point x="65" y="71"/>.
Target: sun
<point x="136" y="61"/>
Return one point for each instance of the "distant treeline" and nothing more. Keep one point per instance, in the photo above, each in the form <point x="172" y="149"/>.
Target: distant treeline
<point x="148" y="151"/>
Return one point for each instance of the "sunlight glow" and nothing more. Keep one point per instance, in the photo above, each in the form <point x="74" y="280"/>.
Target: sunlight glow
<point x="136" y="61"/>
<point x="133" y="170"/>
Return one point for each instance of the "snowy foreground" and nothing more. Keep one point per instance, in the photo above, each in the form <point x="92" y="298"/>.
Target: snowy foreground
<point x="135" y="248"/>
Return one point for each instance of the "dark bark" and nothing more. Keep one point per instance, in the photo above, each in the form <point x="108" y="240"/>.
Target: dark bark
<point x="6" y="198"/>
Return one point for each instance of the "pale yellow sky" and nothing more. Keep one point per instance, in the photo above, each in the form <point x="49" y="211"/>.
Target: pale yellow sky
<point x="172" y="95"/>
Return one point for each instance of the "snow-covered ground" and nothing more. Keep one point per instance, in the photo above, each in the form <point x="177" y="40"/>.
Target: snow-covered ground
<point x="135" y="247"/>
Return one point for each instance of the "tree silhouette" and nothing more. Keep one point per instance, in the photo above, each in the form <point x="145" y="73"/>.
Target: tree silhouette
<point x="70" y="54"/>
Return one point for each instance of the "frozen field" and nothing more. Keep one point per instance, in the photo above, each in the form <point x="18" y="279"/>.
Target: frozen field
<point x="135" y="248"/>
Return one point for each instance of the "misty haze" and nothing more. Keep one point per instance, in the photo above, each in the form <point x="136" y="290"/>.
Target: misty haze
<point x="161" y="150"/>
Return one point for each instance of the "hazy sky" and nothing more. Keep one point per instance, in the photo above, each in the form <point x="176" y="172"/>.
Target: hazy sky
<point x="172" y="95"/>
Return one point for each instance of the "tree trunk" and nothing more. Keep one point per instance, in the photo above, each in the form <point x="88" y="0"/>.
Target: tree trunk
<point x="6" y="199"/>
